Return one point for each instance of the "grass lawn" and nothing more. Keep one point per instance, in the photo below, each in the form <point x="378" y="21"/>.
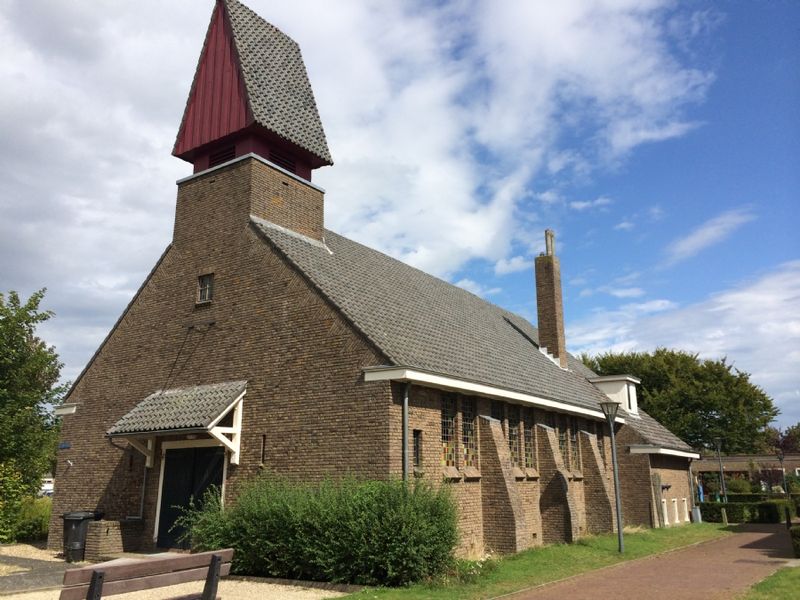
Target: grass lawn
<point x="541" y="565"/>
<point x="784" y="583"/>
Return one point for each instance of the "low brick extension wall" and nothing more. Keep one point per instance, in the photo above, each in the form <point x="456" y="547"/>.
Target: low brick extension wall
<point x="106" y="538"/>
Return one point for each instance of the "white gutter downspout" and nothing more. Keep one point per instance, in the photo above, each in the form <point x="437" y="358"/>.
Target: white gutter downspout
<point x="406" y="390"/>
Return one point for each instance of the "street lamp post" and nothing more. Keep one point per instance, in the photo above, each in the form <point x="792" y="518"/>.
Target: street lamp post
<point x="722" y="487"/>
<point x="610" y="411"/>
<point x="780" y="456"/>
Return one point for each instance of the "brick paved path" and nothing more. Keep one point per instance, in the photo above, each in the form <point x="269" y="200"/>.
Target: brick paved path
<point x="720" y="569"/>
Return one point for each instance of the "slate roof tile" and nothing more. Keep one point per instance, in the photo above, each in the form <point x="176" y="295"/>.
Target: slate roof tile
<point x="275" y="77"/>
<point x="420" y="321"/>
<point x="193" y="407"/>
<point x="655" y="433"/>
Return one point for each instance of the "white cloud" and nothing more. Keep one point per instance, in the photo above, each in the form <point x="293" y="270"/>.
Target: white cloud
<point x="655" y="213"/>
<point x="581" y="205"/>
<point x="436" y="113"/>
<point x="631" y="292"/>
<point x="477" y="288"/>
<point x="624" y="225"/>
<point x="550" y="197"/>
<point x="709" y="233"/>
<point x="755" y="324"/>
<point x="513" y="265"/>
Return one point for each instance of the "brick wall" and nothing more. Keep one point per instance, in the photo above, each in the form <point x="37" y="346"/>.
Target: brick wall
<point x="598" y="486"/>
<point x="107" y="538"/>
<point x="638" y="503"/>
<point x="674" y="472"/>
<point x="505" y="526"/>
<point x="302" y="360"/>
<point x="558" y="507"/>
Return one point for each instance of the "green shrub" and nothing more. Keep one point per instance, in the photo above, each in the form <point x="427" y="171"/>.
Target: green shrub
<point x="372" y="533"/>
<point x="737" y="486"/>
<point x="12" y="491"/>
<point x="795" y="533"/>
<point x="33" y="519"/>
<point x="748" y="497"/>
<point x="770" y="511"/>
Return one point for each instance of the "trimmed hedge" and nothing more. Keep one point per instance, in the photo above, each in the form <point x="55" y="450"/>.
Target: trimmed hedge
<point x="748" y="497"/>
<point x="795" y="533"/>
<point x="370" y="533"/>
<point x="771" y="511"/>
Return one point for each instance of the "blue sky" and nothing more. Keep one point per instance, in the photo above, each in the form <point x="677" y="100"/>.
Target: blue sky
<point x="659" y="139"/>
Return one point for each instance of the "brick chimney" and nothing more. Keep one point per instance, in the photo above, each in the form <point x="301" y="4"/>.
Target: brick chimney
<point x="549" y="307"/>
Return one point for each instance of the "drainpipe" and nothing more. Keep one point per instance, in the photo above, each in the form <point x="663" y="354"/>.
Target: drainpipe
<point x="405" y="431"/>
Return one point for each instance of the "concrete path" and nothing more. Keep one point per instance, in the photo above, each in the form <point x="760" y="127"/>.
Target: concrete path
<point x="35" y="574"/>
<point x="712" y="570"/>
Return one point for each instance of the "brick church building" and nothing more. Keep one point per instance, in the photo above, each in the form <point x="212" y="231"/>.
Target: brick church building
<point x="262" y="342"/>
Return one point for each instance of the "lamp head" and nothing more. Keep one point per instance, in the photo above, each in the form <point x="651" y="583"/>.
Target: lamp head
<point x="610" y="409"/>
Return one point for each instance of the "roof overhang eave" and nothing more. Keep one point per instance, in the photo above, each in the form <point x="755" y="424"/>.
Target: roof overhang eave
<point x="158" y="432"/>
<point x="447" y="382"/>
<point x="653" y="449"/>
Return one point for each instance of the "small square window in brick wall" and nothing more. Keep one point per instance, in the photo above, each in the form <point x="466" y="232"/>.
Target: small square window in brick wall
<point x="530" y="442"/>
<point x="469" y="437"/>
<point x="513" y="433"/>
<point x="205" y="288"/>
<point x="448" y="430"/>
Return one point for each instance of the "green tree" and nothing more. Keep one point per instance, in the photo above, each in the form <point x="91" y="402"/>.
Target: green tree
<point x="695" y="399"/>
<point x="29" y="372"/>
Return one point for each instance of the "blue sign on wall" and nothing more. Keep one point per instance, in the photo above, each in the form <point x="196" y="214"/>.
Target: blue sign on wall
<point x="64" y="445"/>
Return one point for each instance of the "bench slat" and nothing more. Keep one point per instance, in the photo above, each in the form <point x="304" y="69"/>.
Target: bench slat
<point x="78" y="592"/>
<point x="128" y="568"/>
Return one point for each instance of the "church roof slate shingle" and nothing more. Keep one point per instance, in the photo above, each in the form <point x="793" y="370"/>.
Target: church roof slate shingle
<point x="193" y="407"/>
<point x="417" y="320"/>
<point x="275" y="78"/>
<point x="655" y="433"/>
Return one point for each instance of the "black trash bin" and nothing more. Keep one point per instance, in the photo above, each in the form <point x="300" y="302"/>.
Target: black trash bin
<point x="76" y="524"/>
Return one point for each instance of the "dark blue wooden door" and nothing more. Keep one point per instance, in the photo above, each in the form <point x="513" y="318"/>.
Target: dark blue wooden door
<point x="188" y="473"/>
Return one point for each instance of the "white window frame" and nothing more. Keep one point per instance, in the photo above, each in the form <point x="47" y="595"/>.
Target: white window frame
<point x="201" y="288"/>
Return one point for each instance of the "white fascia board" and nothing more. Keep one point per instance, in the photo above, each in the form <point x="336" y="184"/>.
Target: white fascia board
<point x="603" y="378"/>
<point x="460" y="385"/>
<point x="644" y="449"/>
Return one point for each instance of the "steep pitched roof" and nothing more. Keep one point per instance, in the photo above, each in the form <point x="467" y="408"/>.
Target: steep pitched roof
<point x="420" y="321"/>
<point x="250" y="74"/>
<point x="655" y="433"/>
<point x="278" y="90"/>
<point x="194" y="407"/>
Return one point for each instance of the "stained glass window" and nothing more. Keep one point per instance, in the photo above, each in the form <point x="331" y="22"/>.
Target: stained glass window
<point x="469" y="432"/>
<point x="448" y="430"/>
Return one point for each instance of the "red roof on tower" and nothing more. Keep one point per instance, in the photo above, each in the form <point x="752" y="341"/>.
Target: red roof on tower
<point x="251" y="81"/>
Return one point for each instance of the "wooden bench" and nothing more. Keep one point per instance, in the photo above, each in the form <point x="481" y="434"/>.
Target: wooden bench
<point x="134" y="574"/>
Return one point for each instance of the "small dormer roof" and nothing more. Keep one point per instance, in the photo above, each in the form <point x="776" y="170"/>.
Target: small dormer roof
<point x="271" y="79"/>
